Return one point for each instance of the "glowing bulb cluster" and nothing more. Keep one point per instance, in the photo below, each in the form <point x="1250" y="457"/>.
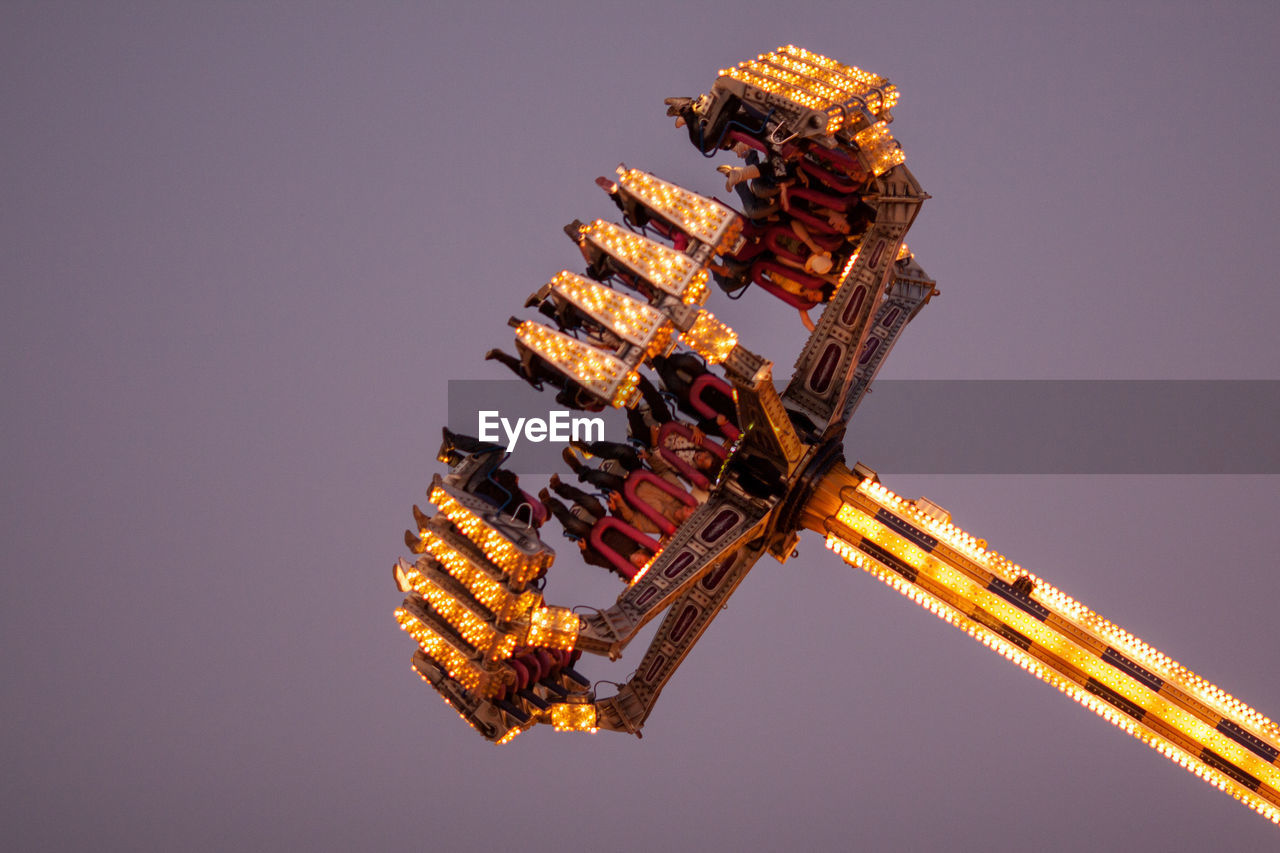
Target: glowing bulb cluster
<point x="436" y="646"/>
<point x="519" y="567"/>
<point x="744" y="73"/>
<point x="574" y="717"/>
<point x="553" y="628"/>
<point x="837" y="87"/>
<point x="703" y="219"/>
<point x="814" y="82"/>
<point x="672" y="272"/>
<point x="602" y="374"/>
<point x="501" y="602"/>
<point x="787" y="70"/>
<point x="1002" y="646"/>
<point x="710" y="338"/>
<point x="856" y="520"/>
<point x="474" y="626"/>
<point x="627" y="317"/>
<point x="1050" y="636"/>
<point x="1079" y="614"/>
<point x="879" y="147"/>
<point x="879" y="94"/>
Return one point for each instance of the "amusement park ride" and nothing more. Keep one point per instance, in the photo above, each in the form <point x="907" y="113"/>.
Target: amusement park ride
<point x="826" y="203"/>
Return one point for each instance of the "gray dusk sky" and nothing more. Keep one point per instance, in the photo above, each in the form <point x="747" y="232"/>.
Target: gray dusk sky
<point x="243" y="247"/>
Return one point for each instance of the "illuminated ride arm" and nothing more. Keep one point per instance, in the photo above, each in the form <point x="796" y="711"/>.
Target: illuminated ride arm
<point x="914" y="548"/>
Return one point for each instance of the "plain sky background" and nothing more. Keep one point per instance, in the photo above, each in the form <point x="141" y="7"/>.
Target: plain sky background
<point x="244" y="246"/>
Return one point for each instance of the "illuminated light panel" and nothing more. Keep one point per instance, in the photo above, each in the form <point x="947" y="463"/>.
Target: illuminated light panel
<point x="607" y="377"/>
<point x="855" y="519"/>
<point x="473" y="626"/>
<point x="883" y="94"/>
<point x="815" y="82"/>
<point x="1078" y="614"/>
<point x="710" y="338"/>
<point x="705" y="220"/>
<point x="459" y="667"/>
<point x="520" y="567"/>
<point x="1051" y="638"/>
<point x="810" y="93"/>
<point x="1141" y="695"/>
<point x="627" y="317"/>
<point x="553" y="628"/>
<point x="696" y="293"/>
<point x="880" y="148"/>
<point x="661" y="342"/>
<point x="1099" y="706"/>
<point x="574" y="717"/>
<point x="838" y="88"/>
<point x="848" y="268"/>
<point x="790" y="70"/>
<point x="670" y="271"/>
<point x="503" y="603"/>
<point x="796" y="95"/>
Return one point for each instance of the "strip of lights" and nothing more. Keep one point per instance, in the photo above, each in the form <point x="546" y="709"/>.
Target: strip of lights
<point x="710" y="338"/>
<point x="1065" y="647"/>
<point x="814" y="82"/>
<point x="802" y="99"/>
<point x="607" y="377"/>
<point x="1073" y="611"/>
<point x="574" y="717"/>
<point x="999" y="644"/>
<point x="672" y="272"/>
<point x="473" y="626"/>
<point x="634" y="321"/>
<point x="880" y="148"/>
<point x="436" y="646"/>
<point x="705" y="220"/>
<point x="884" y="95"/>
<point x="520" y="567"/>
<point x="553" y="628"/>
<point x="504" y="604"/>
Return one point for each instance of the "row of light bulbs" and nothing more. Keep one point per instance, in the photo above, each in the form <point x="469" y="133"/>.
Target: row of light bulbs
<point x="1072" y="610"/>
<point x="1013" y="653"/>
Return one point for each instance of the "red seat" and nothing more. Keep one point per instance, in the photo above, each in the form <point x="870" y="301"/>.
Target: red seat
<point x="758" y="270"/>
<point x="749" y="141"/>
<point x="709" y="380"/>
<point x="522" y="673"/>
<point x="545" y="664"/>
<point x="821" y="199"/>
<point x="596" y="538"/>
<point x="641" y="476"/>
<point x="827" y="179"/>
